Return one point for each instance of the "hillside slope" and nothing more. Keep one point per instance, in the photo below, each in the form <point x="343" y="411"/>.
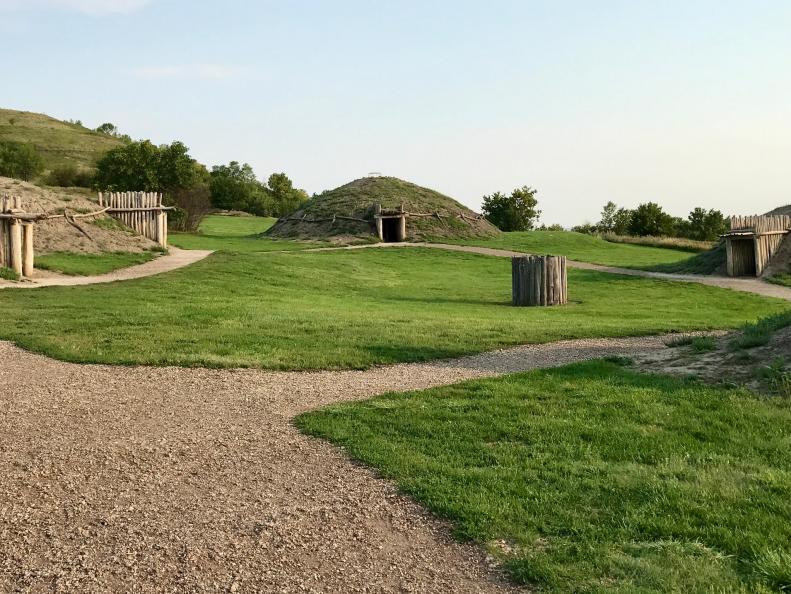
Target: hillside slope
<point x="59" y="143"/>
<point x="780" y="210"/>
<point x="442" y="216"/>
<point x="104" y="234"/>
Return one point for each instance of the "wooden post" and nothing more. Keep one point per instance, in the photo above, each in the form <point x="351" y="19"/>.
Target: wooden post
<point x="16" y="246"/>
<point x="27" y="248"/>
<point x="539" y="280"/>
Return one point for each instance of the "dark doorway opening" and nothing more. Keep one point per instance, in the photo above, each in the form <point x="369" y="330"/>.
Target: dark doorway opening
<point x="391" y="230"/>
<point x="743" y="254"/>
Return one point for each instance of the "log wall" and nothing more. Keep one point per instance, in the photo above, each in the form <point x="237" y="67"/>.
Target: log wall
<point x="142" y="211"/>
<point x="539" y="280"/>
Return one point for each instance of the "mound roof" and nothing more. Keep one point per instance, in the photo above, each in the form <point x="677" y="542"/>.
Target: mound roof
<point x="348" y="213"/>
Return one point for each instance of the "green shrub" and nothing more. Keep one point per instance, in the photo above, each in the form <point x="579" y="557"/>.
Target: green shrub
<point x="71" y="176"/>
<point x="20" y="160"/>
<point x="8" y="274"/>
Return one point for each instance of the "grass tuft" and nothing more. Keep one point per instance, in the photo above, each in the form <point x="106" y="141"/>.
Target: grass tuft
<point x="760" y="332"/>
<point x="704" y="344"/>
<point x="774" y="567"/>
<point x="8" y="274"/>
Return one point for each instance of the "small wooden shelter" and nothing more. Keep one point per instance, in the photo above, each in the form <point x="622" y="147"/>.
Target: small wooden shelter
<point x="752" y="241"/>
<point x="390" y="224"/>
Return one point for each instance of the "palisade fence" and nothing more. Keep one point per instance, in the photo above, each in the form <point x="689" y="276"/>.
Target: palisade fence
<point x="753" y="241"/>
<point x="142" y="211"/>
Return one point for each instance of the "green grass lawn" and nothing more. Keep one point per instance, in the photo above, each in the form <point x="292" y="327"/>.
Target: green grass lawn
<point x="347" y="309"/>
<point x="592" y="478"/>
<point x="89" y="264"/>
<point x="584" y="248"/>
<point x="236" y="234"/>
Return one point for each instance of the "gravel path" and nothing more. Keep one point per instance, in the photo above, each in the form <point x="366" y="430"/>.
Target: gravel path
<point x="174" y="259"/>
<point x="747" y="285"/>
<point x="170" y="479"/>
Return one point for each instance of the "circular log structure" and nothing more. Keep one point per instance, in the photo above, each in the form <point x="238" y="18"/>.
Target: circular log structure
<point x="539" y="280"/>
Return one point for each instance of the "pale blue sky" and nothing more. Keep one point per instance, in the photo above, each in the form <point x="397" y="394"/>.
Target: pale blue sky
<point x="687" y="103"/>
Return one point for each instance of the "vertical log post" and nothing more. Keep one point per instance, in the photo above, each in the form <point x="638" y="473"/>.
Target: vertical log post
<point x="539" y="280"/>
<point x="27" y="250"/>
<point x="16" y="246"/>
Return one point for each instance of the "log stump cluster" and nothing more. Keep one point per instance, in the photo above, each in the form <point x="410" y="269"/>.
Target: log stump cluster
<point x="539" y="280"/>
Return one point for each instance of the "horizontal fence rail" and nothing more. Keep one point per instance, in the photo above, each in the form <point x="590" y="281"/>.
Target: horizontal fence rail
<point x="142" y="211"/>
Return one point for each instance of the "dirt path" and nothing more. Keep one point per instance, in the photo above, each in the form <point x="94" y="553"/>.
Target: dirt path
<point x="747" y="285"/>
<point x="176" y="258"/>
<point x="170" y="479"/>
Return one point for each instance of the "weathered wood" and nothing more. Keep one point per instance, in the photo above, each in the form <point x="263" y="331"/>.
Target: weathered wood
<point x="27" y="250"/>
<point x="539" y="280"/>
<point x="141" y="211"/>
<point x="16" y="247"/>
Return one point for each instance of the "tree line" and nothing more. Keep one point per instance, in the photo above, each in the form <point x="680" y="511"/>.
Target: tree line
<point x="518" y="211"/>
<point x="167" y="168"/>
<point x="649" y="219"/>
<point x="170" y="169"/>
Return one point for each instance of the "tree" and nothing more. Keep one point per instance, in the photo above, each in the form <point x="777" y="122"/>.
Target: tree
<point x="607" y="223"/>
<point x="650" y="219"/>
<point x="192" y="204"/>
<point x="285" y="197"/>
<point x="516" y="212"/>
<point x="621" y="221"/>
<point x="235" y="187"/>
<point x="20" y="160"/>
<point x="143" y="166"/>
<point x="705" y="225"/>
<point x="108" y="128"/>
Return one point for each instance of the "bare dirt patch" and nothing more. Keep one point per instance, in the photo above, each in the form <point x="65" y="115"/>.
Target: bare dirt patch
<point x="754" y="368"/>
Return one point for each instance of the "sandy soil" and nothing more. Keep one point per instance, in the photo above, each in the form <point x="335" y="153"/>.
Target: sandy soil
<point x="183" y="480"/>
<point x="105" y="234"/>
<point x="724" y="365"/>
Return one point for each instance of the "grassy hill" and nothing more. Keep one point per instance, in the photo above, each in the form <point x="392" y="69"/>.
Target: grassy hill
<point x="59" y="143"/>
<point x="356" y="198"/>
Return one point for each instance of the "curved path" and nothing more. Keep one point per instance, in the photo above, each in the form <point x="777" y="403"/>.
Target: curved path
<point x="747" y="285"/>
<point x="174" y="259"/>
<point x="171" y="479"/>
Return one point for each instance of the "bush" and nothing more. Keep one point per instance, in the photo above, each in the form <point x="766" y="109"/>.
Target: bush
<point x="19" y="160"/>
<point x="8" y="274"/>
<point x="192" y="205"/>
<point x="143" y="166"/>
<point x="517" y="212"/>
<point x="70" y="176"/>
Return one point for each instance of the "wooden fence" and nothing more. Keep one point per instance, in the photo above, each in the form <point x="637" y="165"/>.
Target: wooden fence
<point x="16" y="237"/>
<point x="762" y="224"/>
<point x="753" y="241"/>
<point x="142" y="211"/>
<point x="539" y="280"/>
